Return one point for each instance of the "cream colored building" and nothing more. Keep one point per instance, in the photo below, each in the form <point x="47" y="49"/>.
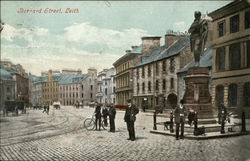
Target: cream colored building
<point x="231" y="56"/>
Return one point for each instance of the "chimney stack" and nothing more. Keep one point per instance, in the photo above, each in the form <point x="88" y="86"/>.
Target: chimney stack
<point x="150" y="43"/>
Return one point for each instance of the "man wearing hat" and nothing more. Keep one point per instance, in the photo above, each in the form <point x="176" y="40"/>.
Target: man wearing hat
<point x="129" y="118"/>
<point x="180" y="115"/>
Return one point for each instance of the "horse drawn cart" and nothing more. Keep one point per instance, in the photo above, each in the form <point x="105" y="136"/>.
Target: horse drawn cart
<point x="14" y="106"/>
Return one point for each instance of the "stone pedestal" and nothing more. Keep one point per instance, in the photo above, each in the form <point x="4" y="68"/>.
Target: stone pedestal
<point x="197" y="94"/>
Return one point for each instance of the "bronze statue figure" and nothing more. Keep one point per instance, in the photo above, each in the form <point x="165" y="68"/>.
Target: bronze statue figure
<point x="198" y="37"/>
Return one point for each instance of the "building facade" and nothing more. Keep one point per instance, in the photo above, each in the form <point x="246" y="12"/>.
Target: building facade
<point x="7" y="87"/>
<point x="124" y="75"/>
<point x="50" y="88"/>
<point x="37" y="90"/>
<point x="71" y="89"/>
<point x="90" y="87"/>
<point x="155" y="79"/>
<point x="106" y="86"/>
<point x="231" y="57"/>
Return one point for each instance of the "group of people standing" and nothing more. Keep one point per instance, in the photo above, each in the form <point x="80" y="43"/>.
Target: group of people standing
<point x="105" y="112"/>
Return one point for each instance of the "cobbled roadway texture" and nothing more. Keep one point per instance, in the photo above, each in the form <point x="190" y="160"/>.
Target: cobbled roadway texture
<point x="60" y="136"/>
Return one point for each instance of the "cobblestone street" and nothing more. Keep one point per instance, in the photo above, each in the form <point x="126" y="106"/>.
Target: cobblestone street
<point x="59" y="136"/>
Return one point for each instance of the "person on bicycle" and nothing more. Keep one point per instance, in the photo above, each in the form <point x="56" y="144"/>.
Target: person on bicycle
<point x="98" y="116"/>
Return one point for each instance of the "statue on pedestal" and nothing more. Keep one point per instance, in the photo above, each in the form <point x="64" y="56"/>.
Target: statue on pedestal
<point x="198" y="37"/>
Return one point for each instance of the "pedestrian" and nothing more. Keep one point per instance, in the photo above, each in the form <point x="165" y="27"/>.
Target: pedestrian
<point x="112" y="113"/>
<point x="105" y="114"/>
<point x="191" y="116"/>
<point x="98" y="116"/>
<point x="47" y="109"/>
<point x="129" y="118"/>
<point x="44" y="108"/>
<point x="180" y="114"/>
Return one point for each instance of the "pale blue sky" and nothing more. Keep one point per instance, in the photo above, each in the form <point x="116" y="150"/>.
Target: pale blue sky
<point x="95" y="37"/>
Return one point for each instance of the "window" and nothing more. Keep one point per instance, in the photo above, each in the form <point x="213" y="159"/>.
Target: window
<point x="82" y="87"/>
<point x="164" y="84"/>
<point x="172" y="65"/>
<point x="234" y="56"/>
<point x="163" y="65"/>
<point x="247" y="20"/>
<point x="91" y="87"/>
<point x="114" y="89"/>
<point x="142" y="72"/>
<point x="91" y="95"/>
<point x="219" y="95"/>
<point x="149" y="86"/>
<point x="143" y="87"/>
<point x="138" y="87"/>
<point x="157" y="68"/>
<point x="82" y="95"/>
<point x="137" y="73"/>
<point x="248" y="53"/>
<point x="220" y="59"/>
<point x="232" y="95"/>
<point x="157" y="85"/>
<point x="234" y="24"/>
<point x="149" y="71"/>
<point x="222" y="28"/>
<point x="105" y="82"/>
<point x="172" y="83"/>
<point x="106" y="91"/>
<point x="113" y="100"/>
<point x="247" y="94"/>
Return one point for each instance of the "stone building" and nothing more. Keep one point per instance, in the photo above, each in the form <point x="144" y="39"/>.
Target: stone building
<point x="21" y="80"/>
<point x="36" y="89"/>
<point x="90" y="87"/>
<point x="50" y="88"/>
<point x="7" y="87"/>
<point x="231" y="56"/>
<point x="124" y="76"/>
<point x="106" y="86"/>
<point x="71" y="89"/>
<point x="155" y="79"/>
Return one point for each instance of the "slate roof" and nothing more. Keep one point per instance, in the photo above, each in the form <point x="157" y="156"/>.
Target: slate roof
<point x="39" y="79"/>
<point x="5" y="74"/>
<point x="73" y="79"/>
<point x="205" y="60"/>
<point x="163" y="52"/>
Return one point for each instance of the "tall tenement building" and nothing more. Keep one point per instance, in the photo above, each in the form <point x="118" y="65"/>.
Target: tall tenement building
<point x="231" y="56"/>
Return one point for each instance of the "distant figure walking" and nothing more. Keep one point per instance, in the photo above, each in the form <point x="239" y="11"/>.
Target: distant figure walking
<point x="98" y="116"/>
<point x="47" y="109"/>
<point x="129" y="118"/>
<point x="112" y="113"/>
<point x="180" y="114"/>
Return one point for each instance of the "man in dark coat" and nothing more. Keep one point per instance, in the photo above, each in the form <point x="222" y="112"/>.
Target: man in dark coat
<point x="105" y="114"/>
<point x="98" y="116"/>
<point x="112" y="113"/>
<point x="129" y="118"/>
<point x="180" y="115"/>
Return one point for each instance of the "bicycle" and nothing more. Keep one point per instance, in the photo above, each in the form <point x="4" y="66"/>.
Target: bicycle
<point x="89" y="123"/>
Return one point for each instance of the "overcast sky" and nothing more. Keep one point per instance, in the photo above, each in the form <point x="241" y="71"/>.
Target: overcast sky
<point x="95" y="37"/>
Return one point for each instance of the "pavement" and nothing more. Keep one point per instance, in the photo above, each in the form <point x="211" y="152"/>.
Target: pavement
<point x="60" y="136"/>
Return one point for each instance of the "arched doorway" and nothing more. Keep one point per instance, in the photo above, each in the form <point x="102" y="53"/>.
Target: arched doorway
<point x="172" y="100"/>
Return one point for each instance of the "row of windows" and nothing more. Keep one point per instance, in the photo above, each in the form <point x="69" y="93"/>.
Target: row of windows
<point x="73" y="88"/>
<point x="156" y="85"/>
<point x="50" y="90"/>
<point x="52" y="84"/>
<point x="122" y="81"/>
<point x="157" y="70"/>
<point x="234" y="57"/>
<point x="74" y="95"/>
<point x="233" y="94"/>
<point x="234" y="24"/>
<point x="122" y="67"/>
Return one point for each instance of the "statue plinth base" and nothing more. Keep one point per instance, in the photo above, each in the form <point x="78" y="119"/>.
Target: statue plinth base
<point x="197" y="96"/>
